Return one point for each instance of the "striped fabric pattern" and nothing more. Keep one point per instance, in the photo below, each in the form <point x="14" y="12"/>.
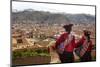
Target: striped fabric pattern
<point x="85" y="47"/>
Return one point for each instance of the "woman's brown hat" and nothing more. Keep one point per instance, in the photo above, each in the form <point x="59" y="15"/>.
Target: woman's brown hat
<point x="86" y="32"/>
<point x="68" y="26"/>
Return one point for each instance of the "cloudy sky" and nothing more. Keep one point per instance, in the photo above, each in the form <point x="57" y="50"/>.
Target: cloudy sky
<point x="55" y="8"/>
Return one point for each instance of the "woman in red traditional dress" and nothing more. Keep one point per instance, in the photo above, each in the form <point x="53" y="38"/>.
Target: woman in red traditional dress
<point x="87" y="46"/>
<point x="65" y="45"/>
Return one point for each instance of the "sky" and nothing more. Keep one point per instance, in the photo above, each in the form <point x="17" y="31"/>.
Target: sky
<point x="54" y="8"/>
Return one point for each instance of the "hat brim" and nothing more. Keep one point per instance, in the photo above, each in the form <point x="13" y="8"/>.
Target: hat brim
<point x="68" y="26"/>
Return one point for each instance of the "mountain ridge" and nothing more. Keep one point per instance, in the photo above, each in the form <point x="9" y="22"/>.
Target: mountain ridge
<point x="47" y="17"/>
